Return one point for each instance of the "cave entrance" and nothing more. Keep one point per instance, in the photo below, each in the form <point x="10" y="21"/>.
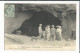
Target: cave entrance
<point x="30" y="27"/>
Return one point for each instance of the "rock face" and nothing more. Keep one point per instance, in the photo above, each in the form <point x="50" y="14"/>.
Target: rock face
<point x="27" y="17"/>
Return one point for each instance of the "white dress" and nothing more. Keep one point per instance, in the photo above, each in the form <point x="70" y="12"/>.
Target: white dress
<point x="48" y="32"/>
<point x="44" y="34"/>
<point x="40" y="29"/>
<point x="59" y="31"/>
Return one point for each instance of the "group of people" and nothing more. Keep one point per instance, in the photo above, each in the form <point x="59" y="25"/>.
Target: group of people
<point x="50" y="33"/>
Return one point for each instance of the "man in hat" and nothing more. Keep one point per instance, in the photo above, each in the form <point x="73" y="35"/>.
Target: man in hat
<point x="40" y="30"/>
<point x="52" y="33"/>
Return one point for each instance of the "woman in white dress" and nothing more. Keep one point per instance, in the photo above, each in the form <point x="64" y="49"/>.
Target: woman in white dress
<point x="40" y="30"/>
<point x="59" y="32"/>
<point x="48" y="32"/>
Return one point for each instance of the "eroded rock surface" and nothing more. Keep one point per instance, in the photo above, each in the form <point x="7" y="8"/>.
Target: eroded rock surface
<point x="65" y="13"/>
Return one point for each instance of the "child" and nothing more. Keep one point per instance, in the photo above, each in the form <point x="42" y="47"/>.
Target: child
<point x="44" y="35"/>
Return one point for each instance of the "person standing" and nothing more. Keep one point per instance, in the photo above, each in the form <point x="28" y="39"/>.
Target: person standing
<point x="44" y="35"/>
<point x="59" y="32"/>
<point x="48" y="32"/>
<point x="52" y="32"/>
<point x="40" y="30"/>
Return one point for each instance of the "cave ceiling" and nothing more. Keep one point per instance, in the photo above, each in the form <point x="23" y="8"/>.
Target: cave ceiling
<point x="56" y="9"/>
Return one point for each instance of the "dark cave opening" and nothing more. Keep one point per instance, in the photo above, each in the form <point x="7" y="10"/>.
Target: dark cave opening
<point x="30" y="27"/>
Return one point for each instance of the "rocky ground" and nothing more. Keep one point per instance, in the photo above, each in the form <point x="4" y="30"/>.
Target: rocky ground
<point x="13" y="41"/>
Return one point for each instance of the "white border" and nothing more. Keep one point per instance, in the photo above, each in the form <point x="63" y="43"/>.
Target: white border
<point x="36" y="2"/>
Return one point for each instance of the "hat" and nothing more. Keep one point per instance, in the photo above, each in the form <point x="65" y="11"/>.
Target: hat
<point x="52" y="25"/>
<point x="40" y="24"/>
<point x="58" y="26"/>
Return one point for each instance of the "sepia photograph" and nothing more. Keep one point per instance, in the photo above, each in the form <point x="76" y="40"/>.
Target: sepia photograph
<point x="40" y="26"/>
